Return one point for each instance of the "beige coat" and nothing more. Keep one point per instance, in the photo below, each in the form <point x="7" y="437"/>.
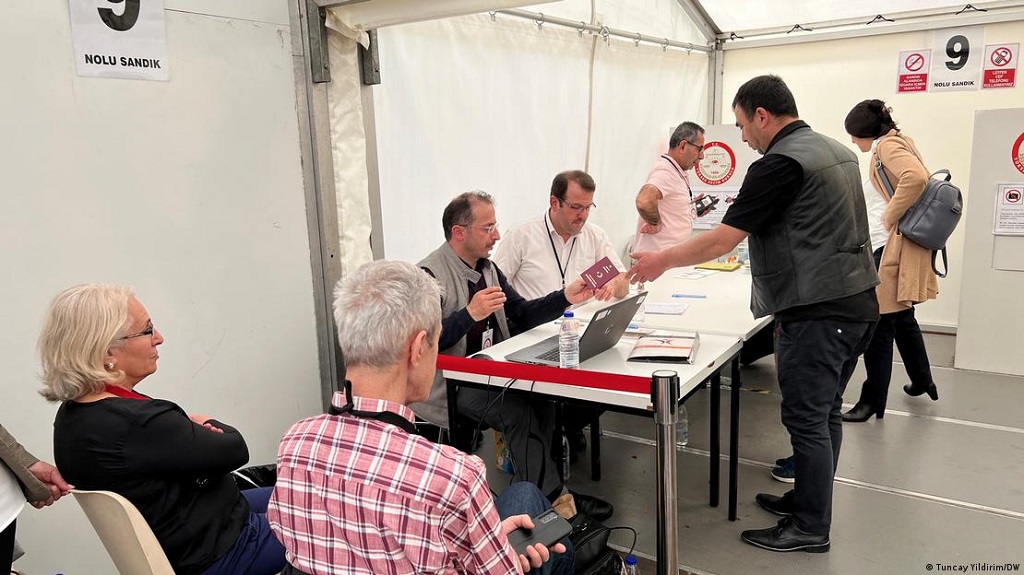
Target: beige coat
<point x="906" y="269"/>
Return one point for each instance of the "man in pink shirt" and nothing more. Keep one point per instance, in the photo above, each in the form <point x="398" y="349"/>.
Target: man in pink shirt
<point x="665" y="202"/>
<point x="359" y="492"/>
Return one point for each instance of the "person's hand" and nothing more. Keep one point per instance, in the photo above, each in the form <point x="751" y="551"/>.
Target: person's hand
<point x="536" y="554"/>
<point x="485" y="302"/>
<point x="49" y="475"/>
<point x="204" y="420"/>
<point x="650" y="228"/>
<point x="647" y="266"/>
<point x="578" y="292"/>
<point x="613" y="288"/>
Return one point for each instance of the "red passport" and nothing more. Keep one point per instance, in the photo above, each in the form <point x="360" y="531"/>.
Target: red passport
<point x="600" y="273"/>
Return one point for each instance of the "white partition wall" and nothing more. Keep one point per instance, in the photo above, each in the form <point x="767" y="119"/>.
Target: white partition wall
<point x="191" y="191"/>
<point x="991" y="309"/>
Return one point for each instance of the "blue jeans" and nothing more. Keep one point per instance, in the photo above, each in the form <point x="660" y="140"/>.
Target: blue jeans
<point x="257" y="551"/>
<point x="524" y="498"/>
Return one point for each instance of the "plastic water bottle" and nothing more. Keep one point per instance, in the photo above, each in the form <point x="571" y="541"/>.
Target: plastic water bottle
<point x="743" y="252"/>
<point x="569" y="342"/>
<point x="640" y="315"/>
<point x="682" y="427"/>
<point x="629" y="566"/>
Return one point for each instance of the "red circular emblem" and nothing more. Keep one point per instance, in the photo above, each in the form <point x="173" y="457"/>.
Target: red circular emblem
<point x="1018" y="154"/>
<point x="718" y="164"/>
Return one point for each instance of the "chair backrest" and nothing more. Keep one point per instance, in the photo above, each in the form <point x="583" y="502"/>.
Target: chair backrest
<point x="124" y="532"/>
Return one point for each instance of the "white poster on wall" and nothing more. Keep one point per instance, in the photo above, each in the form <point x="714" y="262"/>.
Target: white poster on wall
<point x="1009" y="213"/>
<point x="721" y="171"/>
<point x="956" y="60"/>
<point x="120" y="38"/>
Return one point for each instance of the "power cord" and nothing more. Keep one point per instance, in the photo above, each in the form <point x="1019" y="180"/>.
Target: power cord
<point x="631" y="547"/>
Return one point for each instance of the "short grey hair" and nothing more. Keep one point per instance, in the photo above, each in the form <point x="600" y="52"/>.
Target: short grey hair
<point x="380" y="306"/>
<point x="686" y="131"/>
<point x="83" y="323"/>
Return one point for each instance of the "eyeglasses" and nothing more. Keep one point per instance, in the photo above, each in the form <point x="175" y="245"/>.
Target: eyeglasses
<point x="579" y="209"/>
<point x="700" y="148"/>
<point x="148" y="331"/>
<point x="488" y="229"/>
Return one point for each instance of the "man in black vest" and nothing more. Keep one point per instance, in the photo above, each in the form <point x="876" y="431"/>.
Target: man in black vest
<point x="802" y="206"/>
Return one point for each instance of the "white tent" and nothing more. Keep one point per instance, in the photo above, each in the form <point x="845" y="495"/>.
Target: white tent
<point x="502" y="100"/>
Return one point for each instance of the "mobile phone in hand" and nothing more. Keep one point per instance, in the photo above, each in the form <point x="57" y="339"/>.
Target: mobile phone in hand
<point x="548" y="528"/>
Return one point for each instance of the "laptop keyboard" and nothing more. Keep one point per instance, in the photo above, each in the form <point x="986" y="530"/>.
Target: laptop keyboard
<point x="549" y="355"/>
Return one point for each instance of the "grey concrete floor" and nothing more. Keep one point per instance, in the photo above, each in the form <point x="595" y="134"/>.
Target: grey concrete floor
<point x="930" y="486"/>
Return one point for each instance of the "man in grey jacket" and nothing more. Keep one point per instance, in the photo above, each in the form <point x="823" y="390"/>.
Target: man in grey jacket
<point x="479" y="308"/>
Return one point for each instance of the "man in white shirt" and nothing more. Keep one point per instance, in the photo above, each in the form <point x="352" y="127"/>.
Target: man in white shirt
<point x="551" y="250"/>
<point x="665" y="202"/>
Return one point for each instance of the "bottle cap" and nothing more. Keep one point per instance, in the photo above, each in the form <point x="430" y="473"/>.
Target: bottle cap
<point x="630" y="560"/>
<point x="567" y="314"/>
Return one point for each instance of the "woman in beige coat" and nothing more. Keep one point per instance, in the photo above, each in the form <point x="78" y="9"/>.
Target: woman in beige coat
<point x="904" y="268"/>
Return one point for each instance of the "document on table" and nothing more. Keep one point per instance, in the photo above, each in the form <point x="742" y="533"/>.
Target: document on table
<point x="695" y="274"/>
<point x="666" y="308"/>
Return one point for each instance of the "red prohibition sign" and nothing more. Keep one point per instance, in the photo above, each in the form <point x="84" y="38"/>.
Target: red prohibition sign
<point x="914" y="62"/>
<point x="1001" y="56"/>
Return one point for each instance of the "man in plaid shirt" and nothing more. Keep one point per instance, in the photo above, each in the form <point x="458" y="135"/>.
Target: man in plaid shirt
<point x="358" y="492"/>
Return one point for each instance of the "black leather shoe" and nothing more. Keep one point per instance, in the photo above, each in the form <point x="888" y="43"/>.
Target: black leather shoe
<point x="913" y="391"/>
<point x="862" y="412"/>
<point x="786" y="537"/>
<point x="592" y="506"/>
<point x="778" y="504"/>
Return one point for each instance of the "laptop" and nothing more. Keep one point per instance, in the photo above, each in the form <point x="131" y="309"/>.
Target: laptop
<point x="603" y="331"/>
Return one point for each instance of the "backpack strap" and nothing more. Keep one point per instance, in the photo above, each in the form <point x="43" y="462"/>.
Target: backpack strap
<point x="945" y="262"/>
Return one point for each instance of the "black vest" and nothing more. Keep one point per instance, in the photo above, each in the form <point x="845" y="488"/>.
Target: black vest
<point x="819" y="250"/>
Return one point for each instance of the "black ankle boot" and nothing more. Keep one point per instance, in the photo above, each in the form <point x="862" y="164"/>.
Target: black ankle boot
<point x="913" y="391"/>
<point x="862" y="412"/>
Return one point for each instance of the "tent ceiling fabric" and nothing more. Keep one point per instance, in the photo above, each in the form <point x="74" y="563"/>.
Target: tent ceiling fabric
<point x="745" y="18"/>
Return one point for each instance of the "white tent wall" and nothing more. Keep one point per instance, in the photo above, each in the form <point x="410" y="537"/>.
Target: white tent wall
<point x="829" y="77"/>
<point x="190" y="190"/>
<point x="503" y="105"/>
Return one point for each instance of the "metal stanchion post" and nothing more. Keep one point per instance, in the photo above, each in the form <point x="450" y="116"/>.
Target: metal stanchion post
<point x="665" y="399"/>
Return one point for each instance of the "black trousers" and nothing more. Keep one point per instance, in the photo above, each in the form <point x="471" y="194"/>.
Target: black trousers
<point x="815" y="360"/>
<point x="901" y="327"/>
<point x="7" y="547"/>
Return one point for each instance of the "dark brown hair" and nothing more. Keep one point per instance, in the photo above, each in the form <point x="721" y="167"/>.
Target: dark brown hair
<point x="869" y="119"/>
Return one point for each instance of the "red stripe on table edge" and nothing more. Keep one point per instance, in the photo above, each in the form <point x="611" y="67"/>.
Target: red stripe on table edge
<point x="527" y="372"/>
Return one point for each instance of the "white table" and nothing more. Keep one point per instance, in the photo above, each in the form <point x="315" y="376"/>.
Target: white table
<point x="658" y="399"/>
<point x="724" y="309"/>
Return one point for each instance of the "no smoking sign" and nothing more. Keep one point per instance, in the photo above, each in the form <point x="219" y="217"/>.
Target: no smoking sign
<point x="913" y="73"/>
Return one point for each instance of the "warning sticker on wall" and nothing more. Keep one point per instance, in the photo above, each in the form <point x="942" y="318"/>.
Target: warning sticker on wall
<point x="1000" y="65"/>
<point x="1009" y="216"/>
<point x="913" y="74"/>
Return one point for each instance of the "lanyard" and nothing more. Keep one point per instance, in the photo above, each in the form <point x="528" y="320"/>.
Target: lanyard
<point x="122" y="392"/>
<point x="385" y="416"/>
<point x="678" y="171"/>
<point x="554" y="251"/>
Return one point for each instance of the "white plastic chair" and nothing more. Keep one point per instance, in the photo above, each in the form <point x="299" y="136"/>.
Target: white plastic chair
<point x="124" y="532"/>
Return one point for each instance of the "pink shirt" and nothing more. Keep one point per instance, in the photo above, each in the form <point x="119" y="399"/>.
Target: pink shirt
<point x="677" y="213"/>
<point x="360" y="496"/>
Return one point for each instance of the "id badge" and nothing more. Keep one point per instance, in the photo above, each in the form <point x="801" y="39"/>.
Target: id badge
<point x="487" y="340"/>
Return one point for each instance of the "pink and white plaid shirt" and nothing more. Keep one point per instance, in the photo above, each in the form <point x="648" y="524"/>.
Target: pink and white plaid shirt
<point x="357" y="495"/>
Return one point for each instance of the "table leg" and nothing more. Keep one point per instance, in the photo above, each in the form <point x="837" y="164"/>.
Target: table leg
<point x="734" y="436"/>
<point x="714" y="474"/>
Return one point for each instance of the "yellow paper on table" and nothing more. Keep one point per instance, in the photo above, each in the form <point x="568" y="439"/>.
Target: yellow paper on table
<point x="720" y="266"/>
